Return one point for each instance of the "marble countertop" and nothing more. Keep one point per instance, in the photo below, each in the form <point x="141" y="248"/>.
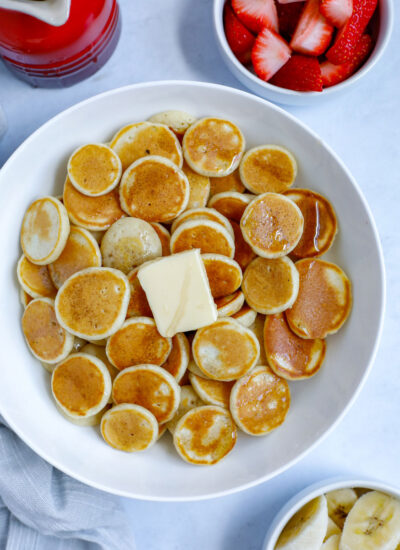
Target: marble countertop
<point x="173" y="39"/>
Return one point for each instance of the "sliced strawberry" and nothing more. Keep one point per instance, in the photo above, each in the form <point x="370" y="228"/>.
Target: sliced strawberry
<point x="239" y="38"/>
<point x="333" y="74"/>
<point x="313" y="32"/>
<point x="270" y="52"/>
<point x="337" y="12"/>
<point x="289" y="1"/>
<point x="288" y="17"/>
<point x="256" y="14"/>
<point x="346" y="41"/>
<point x="301" y="73"/>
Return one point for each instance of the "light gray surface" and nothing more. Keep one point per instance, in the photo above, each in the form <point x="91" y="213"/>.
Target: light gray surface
<point x="174" y="39"/>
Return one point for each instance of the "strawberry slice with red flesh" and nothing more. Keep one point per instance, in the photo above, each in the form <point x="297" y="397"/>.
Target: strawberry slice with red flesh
<point x="270" y="52"/>
<point x="289" y="1"/>
<point x="313" y="33"/>
<point x="256" y="14"/>
<point x="334" y="74"/>
<point x="239" y="38"/>
<point x="301" y="73"/>
<point x="337" y="12"/>
<point x="348" y="37"/>
<point x="288" y="17"/>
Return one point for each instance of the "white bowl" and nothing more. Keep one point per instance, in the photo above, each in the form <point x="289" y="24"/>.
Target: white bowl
<point x="291" y="97"/>
<point x="38" y="167"/>
<point x="315" y="491"/>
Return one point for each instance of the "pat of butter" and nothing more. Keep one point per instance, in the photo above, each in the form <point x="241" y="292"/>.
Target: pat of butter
<point x="178" y="292"/>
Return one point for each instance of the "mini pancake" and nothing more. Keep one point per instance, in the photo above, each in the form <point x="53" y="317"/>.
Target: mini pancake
<point x="288" y="355"/>
<point x="138" y="342"/>
<point x="258" y="329"/>
<point x="228" y="305"/>
<point x="93" y="213"/>
<point x="138" y="304"/>
<point x="213" y="147"/>
<point x="199" y="188"/>
<point x="268" y="169"/>
<point x="24" y="297"/>
<point x="100" y="353"/>
<point x="320" y="223"/>
<point x="141" y="139"/>
<point x="46" y="339"/>
<point x="324" y="300"/>
<point x="202" y="214"/>
<point x="224" y="274"/>
<point x="128" y="243"/>
<point x="272" y="225"/>
<point x="35" y="279"/>
<point x="225" y="350"/>
<point x="231" y="204"/>
<point x="154" y="189"/>
<point x="245" y="316"/>
<point x="164" y="236"/>
<point x="92" y="303"/>
<point x="260" y="401"/>
<point x="188" y="400"/>
<point x="232" y="182"/>
<point x="129" y="428"/>
<point x="243" y="252"/>
<point x="78" y="345"/>
<point x="149" y="386"/>
<point x="212" y="392"/>
<point x="205" y="435"/>
<point x="94" y="169"/>
<point x="81" y="251"/>
<point x="194" y="369"/>
<point x="178" y="121"/>
<point x="178" y="359"/>
<point x="81" y="385"/>
<point x="209" y="237"/>
<point x="84" y="421"/>
<point x="270" y="286"/>
<point x="44" y="231"/>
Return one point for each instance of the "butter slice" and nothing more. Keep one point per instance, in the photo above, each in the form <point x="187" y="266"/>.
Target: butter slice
<point x="178" y="292"/>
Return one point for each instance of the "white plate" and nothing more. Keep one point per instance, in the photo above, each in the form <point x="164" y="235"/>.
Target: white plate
<point x="38" y="168"/>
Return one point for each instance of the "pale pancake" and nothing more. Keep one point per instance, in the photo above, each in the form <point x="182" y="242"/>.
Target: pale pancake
<point x="324" y="300"/>
<point x="268" y="169"/>
<point x="231" y="182"/>
<point x="138" y="342"/>
<point x="138" y="304"/>
<point x="213" y="147"/>
<point x="229" y="305"/>
<point x="260" y="401"/>
<point x="128" y="243"/>
<point x="225" y="350"/>
<point x="272" y="225"/>
<point x="258" y="329"/>
<point x="205" y="435"/>
<point x="243" y="252"/>
<point x="94" y="213"/>
<point x="46" y="339"/>
<point x="93" y="303"/>
<point x="188" y="400"/>
<point x="194" y="369"/>
<point x="97" y="235"/>
<point x="84" y="421"/>
<point x="224" y="274"/>
<point x="154" y="189"/>
<point x="151" y="387"/>
<point x="24" y="297"/>
<point x="81" y="385"/>
<point x="212" y="392"/>
<point x="94" y="169"/>
<point x="231" y="204"/>
<point x="320" y="223"/>
<point x="202" y="214"/>
<point x="199" y="188"/>
<point x="288" y="355"/>
<point x="164" y="236"/>
<point x="44" y="231"/>
<point x="209" y="237"/>
<point x="100" y="353"/>
<point x="129" y="428"/>
<point x="35" y="279"/>
<point x="178" y="359"/>
<point x="270" y="286"/>
<point x="178" y="121"/>
<point x="81" y="251"/>
<point x="245" y="316"/>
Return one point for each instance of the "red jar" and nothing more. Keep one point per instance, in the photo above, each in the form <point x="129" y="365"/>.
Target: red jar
<point x="49" y="56"/>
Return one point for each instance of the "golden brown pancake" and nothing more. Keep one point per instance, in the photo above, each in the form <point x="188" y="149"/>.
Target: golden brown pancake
<point x="35" y="279"/>
<point x="199" y="188"/>
<point x="320" y="224"/>
<point x="209" y="237"/>
<point x="288" y="355"/>
<point x="224" y="274"/>
<point x="225" y="350"/>
<point x="228" y="305"/>
<point x="260" y="401"/>
<point x="138" y="304"/>
<point x="324" y="300"/>
<point x="243" y="252"/>
<point x="272" y="225"/>
<point x="100" y="353"/>
<point x="270" y="286"/>
<point x="202" y="214"/>
<point x="138" y="342"/>
<point x="154" y="189"/>
<point x="149" y="386"/>
<point x="205" y="435"/>
<point x="129" y="428"/>
<point x="164" y="236"/>
<point x="268" y="169"/>
<point x="81" y="251"/>
<point x="245" y="316"/>
<point x="188" y="400"/>
<point x="139" y="140"/>
<point x="232" y="182"/>
<point x="231" y="204"/>
<point x="178" y="359"/>
<point x="94" y="213"/>
<point x="212" y="392"/>
<point x="213" y="147"/>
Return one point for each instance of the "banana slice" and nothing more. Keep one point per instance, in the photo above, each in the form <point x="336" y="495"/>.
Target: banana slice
<point x="373" y="523"/>
<point x="332" y="543"/>
<point x="340" y="503"/>
<point x="332" y="529"/>
<point x="306" y="529"/>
